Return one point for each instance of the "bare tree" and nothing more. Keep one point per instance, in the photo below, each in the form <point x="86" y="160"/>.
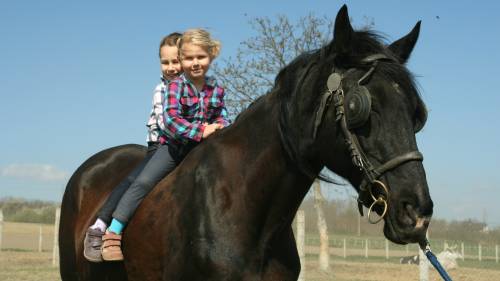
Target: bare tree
<point x="251" y="72"/>
<point x="258" y="60"/>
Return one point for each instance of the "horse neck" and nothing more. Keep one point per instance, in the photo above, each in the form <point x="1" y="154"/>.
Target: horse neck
<point x="273" y="187"/>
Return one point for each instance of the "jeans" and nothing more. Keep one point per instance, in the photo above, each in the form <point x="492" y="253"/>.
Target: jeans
<point x="164" y="160"/>
<point x="110" y="205"/>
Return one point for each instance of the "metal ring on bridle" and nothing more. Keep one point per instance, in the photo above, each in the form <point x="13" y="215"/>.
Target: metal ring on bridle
<point x="383" y="188"/>
<point x="380" y="200"/>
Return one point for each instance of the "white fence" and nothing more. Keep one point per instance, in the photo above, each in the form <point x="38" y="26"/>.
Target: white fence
<point x="39" y="237"/>
<point x="380" y="247"/>
<point x="30" y="236"/>
<point x="359" y="246"/>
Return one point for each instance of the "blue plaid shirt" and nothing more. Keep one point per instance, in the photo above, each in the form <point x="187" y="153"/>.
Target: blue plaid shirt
<point x="185" y="109"/>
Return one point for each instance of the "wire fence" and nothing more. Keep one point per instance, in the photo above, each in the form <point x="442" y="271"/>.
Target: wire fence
<point x="31" y="236"/>
<point x="40" y="237"/>
<point x="377" y="246"/>
<point x="43" y="238"/>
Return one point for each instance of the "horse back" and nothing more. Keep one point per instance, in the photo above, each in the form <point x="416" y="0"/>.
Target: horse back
<point x="178" y="233"/>
<point x="85" y="193"/>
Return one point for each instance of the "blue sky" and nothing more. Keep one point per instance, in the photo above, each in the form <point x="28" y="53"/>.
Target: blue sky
<point x="77" y="77"/>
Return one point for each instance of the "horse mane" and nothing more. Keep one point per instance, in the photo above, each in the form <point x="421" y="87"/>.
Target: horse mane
<point x="363" y="44"/>
<point x="288" y="80"/>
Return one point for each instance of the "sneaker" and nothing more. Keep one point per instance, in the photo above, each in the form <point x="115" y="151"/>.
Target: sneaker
<point x="111" y="247"/>
<point x="92" y="245"/>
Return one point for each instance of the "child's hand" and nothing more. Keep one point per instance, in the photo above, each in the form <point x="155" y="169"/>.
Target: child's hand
<point x="210" y="129"/>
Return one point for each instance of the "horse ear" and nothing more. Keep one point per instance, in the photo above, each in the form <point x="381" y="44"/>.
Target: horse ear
<point x="402" y="48"/>
<point x="343" y="31"/>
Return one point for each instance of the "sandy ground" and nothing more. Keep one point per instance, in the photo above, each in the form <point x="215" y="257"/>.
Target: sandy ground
<point x="34" y="266"/>
<point x="364" y="271"/>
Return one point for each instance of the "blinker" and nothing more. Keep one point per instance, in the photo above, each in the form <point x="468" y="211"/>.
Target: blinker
<point x="359" y="105"/>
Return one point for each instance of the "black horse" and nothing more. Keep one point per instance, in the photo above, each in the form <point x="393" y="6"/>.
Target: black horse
<point x="226" y="212"/>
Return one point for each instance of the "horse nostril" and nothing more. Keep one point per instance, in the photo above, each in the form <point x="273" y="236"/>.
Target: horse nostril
<point x="408" y="215"/>
<point x="419" y="218"/>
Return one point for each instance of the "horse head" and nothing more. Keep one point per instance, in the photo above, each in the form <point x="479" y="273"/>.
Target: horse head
<point x="353" y="107"/>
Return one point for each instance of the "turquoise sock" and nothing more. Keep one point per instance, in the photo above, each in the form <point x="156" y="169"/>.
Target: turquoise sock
<point x="116" y="226"/>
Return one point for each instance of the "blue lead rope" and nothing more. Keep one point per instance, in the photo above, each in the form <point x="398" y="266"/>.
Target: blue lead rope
<point x="432" y="258"/>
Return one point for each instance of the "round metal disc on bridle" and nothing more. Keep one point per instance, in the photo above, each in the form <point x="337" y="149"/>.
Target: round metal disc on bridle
<point x="358" y="106"/>
<point x="333" y="82"/>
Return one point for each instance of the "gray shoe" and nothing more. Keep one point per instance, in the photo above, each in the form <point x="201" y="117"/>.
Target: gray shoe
<point x="92" y="245"/>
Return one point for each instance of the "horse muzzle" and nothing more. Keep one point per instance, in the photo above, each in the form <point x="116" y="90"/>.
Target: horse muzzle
<point x="407" y="221"/>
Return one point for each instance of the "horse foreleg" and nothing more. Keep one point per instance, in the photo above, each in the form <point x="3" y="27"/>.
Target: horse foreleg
<point x="284" y="262"/>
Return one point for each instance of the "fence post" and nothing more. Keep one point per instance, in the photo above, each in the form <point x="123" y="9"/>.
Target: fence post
<point x="55" y="249"/>
<point x="344" y="249"/>
<point x="366" y="248"/>
<point x="479" y="252"/>
<point x="423" y="264"/>
<point x="301" y="243"/>
<point x="40" y="239"/>
<point x="1" y="228"/>
<point x="386" y="249"/>
<point x="463" y="252"/>
<point x="496" y="253"/>
<point x="324" y="252"/>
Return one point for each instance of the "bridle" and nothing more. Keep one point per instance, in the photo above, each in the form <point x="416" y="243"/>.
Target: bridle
<point x="358" y="110"/>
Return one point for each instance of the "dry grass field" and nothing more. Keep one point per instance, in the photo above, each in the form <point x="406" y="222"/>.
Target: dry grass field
<point x="20" y="261"/>
<point x="34" y="266"/>
<point x="25" y="236"/>
<point x="27" y="266"/>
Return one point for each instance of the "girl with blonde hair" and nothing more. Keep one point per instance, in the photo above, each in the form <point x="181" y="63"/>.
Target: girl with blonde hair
<point x="193" y="109"/>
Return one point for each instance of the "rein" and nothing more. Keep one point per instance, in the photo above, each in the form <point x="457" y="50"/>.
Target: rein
<point x="370" y="184"/>
<point x="426" y="248"/>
